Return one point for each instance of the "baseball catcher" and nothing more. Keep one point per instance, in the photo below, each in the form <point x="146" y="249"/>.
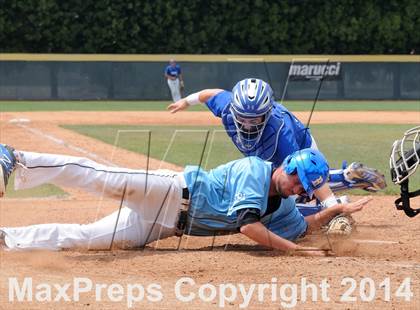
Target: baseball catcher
<point x="260" y="126"/>
<point x="404" y="160"/>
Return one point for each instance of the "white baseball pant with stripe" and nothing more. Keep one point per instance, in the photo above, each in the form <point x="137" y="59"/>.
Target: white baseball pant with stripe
<point x="152" y="202"/>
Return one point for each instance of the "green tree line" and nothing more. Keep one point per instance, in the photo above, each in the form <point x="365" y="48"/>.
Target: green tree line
<point x="210" y="27"/>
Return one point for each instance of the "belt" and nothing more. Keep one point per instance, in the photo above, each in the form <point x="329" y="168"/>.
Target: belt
<point x="183" y="212"/>
<point x="185" y="193"/>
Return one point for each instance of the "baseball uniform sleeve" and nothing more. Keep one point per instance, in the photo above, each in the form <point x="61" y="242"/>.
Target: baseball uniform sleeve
<point x="217" y="103"/>
<point x="247" y="191"/>
<point x="247" y="216"/>
<point x="286" y="222"/>
<point x="167" y="70"/>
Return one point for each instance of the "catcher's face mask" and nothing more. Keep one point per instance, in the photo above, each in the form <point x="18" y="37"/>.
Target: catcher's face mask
<point x="251" y="105"/>
<point x="404" y="160"/>
<point x="405" y="156"/>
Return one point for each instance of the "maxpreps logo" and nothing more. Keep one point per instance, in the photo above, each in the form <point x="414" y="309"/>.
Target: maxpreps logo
<point x="315" y="71"/>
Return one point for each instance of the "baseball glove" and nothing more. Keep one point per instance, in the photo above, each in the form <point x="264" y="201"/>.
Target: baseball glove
<point x="339" y="226"/>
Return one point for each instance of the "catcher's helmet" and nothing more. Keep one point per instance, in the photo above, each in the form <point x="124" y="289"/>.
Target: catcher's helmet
<point x="404" y="160"/>
<point x="251" y="108"/>
<point x="405" y="155"/>
<point x="311" y="167"/>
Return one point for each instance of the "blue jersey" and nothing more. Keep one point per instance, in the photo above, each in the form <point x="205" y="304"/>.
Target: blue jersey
<point x="283" y="134"/>
<point x="217" y="195"/>
<point x="173" y="71"/>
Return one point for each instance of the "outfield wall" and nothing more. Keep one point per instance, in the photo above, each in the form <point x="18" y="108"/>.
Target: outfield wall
<point x="140" y="77"/>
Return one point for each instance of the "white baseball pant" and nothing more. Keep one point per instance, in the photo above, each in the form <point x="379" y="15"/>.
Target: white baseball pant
<point x="152" y="202"/>
<point x="175" y="89"/>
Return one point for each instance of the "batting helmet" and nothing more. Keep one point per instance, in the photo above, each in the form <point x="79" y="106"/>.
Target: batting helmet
<point x="311" y="167"/>
<point x="251" y="108"/>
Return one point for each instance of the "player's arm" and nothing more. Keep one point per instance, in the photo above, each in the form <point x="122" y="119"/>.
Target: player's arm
<point x="325" y="195"/>
<point x="250" y="225"/>
<point x="193" y="99"/>
<point x="181" y="82"/>
<point x="169" y="77"/>
<point x="317" y="220"/>
<point x="259" y="233"/>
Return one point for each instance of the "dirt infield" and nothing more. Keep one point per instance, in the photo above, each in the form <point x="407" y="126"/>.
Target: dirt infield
<point x="385" y="245"/>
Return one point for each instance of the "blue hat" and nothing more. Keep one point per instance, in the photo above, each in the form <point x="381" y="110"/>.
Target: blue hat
<point x="311" y="167"/>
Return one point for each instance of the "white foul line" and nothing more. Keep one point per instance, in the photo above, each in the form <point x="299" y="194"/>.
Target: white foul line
<point x="374" y="241"/>
<point x="65" y="144"/>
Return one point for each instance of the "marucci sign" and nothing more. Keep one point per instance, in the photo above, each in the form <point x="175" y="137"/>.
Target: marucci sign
<point x="315" y="71"/>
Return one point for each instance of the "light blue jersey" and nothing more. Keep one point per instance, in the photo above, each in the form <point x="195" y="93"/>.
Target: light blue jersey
<point x="283" y="134"/>
<point x="287" y="221"/>
<point x="217" y="195"/>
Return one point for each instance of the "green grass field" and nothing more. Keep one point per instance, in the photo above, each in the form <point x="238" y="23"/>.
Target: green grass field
<point x="178" y="145"/>
<point x="10" y="106"/>
<point x="367" y="143"/>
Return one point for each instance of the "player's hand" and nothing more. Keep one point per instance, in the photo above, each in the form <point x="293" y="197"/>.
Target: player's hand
<point x="178" y="106"/>
<point x="356" y="206"/>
